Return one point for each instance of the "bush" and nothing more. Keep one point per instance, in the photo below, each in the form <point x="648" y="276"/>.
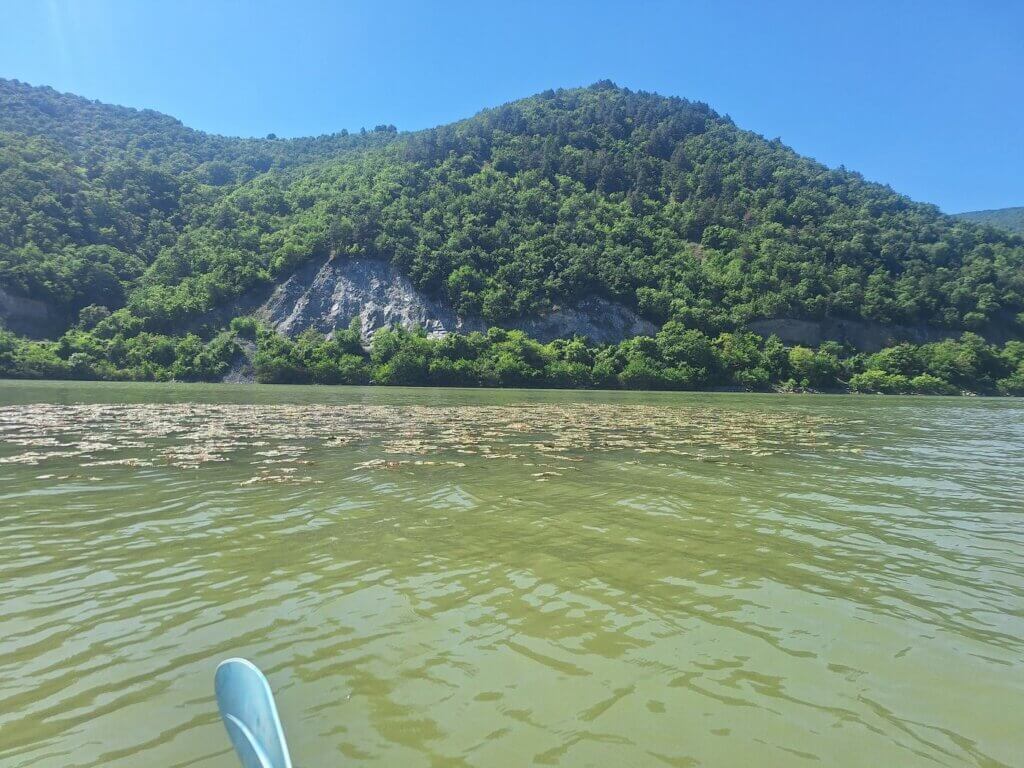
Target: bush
<point x="1014" y="383"/>
<point x="874" y="380"/>
<point x="92" y="315"/>
<point x="815" y="369"/>
<point x="245" y="327"/>
<point x="926" y="384"/>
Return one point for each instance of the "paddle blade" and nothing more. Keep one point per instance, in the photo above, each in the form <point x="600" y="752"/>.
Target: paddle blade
<point x="250" y="716"/>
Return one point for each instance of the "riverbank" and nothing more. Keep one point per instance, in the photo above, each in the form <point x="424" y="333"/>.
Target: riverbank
<point x="676" y="359"/>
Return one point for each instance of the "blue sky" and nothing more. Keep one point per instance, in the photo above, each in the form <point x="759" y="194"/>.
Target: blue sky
<point x="925" y="96"/>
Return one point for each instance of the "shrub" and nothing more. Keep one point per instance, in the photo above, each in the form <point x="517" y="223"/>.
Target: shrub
<point x="1014" y="383"/>
<point x="926" y="384"/>
<point x="874" y="380"/>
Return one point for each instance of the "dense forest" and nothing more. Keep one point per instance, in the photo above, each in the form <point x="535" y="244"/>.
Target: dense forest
<point x="129" y="226"/>
<point x="1007" y="218"/>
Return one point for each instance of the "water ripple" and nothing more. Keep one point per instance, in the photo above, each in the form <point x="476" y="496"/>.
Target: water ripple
<point x="463" y="578"/>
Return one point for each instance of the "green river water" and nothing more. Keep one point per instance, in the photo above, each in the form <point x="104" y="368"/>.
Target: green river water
<point x="511" y="578"/>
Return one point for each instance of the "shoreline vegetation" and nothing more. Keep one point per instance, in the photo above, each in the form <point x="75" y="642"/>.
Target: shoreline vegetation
<point x="675" y="359"/>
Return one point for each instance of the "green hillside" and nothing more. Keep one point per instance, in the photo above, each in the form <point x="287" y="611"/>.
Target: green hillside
<point x="657" y="203"/>
<point x="91" y="193"/>
<point x="1007" y="218"/>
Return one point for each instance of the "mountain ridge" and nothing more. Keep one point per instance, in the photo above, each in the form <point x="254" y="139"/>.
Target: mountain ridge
<point x="188" y="154"/>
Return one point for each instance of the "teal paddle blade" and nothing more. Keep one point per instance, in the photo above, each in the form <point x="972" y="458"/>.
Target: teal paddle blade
<point x="247" y="708"/>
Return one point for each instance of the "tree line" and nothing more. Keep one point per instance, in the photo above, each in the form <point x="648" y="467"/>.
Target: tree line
<point x="676" y="358"/>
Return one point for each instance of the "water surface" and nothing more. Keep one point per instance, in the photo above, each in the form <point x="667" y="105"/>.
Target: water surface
<point x="501" y="578"/>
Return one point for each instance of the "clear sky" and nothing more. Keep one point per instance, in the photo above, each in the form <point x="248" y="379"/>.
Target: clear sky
<point x="925" y="96"/>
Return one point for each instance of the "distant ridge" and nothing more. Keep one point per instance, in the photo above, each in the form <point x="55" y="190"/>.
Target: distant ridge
<point x="1006" y="218"/>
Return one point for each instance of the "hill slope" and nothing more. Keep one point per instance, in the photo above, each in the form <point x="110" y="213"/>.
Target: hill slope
<point x="1007" y="218"/>
<point x="657" y="206"/>
<point x="91" y="193"/>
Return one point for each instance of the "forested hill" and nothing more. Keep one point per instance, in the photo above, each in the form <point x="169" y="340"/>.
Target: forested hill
<point x="90" y="193"/>
<point x="655" y="203"/>
<point x="1007" y="218"/>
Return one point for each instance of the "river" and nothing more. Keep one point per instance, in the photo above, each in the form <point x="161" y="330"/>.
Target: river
<point x="511" y="578"/>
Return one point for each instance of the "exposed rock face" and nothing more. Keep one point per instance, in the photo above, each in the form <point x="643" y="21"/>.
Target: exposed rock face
<point x="868" y="337"/>
<point x="242" y="370"/>
<point x="327" y="295"/>
<point x="28" y="317"/>
<point x="600" y="320"/>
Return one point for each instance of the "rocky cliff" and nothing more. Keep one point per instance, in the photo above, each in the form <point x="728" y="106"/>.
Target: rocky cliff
<point x="28" y="317"/>
<point x="328" y="295"/>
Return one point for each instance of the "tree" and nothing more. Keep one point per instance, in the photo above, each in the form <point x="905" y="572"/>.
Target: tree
<point x="814" y="369"/>
<point x="875" y="380"/>
<point x="1014" y="383"/>
<point x="91" y="316"/>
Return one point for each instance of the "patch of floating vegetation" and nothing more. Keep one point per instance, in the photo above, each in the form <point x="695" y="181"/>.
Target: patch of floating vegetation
<point x="276" y="439"/>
